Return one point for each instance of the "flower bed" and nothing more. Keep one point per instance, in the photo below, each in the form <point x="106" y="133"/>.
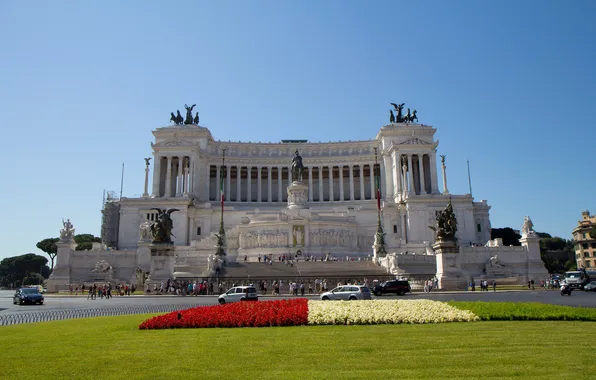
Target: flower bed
<point x="384" y="311"/>
<point x="297" y="312"/>
<point x="240" y="314"/>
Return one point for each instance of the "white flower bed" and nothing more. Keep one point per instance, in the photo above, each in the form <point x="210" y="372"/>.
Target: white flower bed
<point x="384" y="311"/>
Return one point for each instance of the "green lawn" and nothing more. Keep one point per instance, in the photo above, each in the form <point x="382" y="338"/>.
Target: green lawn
<point x="114" y="348"/>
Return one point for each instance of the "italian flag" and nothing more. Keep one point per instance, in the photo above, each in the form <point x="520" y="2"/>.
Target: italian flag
<point x="221" y="191"/>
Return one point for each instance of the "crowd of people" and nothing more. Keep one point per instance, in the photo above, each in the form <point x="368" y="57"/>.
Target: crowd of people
<point x="101" y="290"/>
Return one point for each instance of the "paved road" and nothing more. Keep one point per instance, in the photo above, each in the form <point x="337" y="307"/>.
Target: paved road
<point x="55" y="303"/>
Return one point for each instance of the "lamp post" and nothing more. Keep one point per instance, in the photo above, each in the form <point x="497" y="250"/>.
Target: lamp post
<point x="221" y="237"/>
<point x="379" y="243"/>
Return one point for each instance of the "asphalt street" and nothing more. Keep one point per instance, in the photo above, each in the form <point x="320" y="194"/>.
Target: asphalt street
<point x="66" y="302"/>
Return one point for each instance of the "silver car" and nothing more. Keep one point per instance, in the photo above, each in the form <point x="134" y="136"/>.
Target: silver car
<point x="347" y="293"/>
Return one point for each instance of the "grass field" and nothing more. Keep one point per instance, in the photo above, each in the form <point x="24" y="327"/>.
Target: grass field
<point x="114" y="348"/>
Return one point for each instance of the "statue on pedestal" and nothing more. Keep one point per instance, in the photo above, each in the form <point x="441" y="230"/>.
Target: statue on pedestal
<point x="68" y="231"/>
<point x="162" y="228"/>
<point x="528" y="227"/>
<point x="196" y="119"/>
<point x="446" y="225"/>
<point x="297" y="167"/>
<point x="145" y="231"/>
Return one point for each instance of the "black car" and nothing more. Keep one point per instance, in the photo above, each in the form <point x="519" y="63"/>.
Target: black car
<point x="399" y="287"/>
<point x="27" y="295"/>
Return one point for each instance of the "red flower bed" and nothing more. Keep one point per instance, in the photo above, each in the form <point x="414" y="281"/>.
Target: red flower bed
<point x="240" y="314"/>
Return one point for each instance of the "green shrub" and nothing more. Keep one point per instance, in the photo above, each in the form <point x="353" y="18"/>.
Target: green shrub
<point x="526" y="311"/>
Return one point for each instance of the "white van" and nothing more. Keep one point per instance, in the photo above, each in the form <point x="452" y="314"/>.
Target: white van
<point x="239" y="293"/>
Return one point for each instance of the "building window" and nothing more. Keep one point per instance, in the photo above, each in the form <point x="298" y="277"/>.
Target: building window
<point x="584" y="235"/>
<point x="198" y="231"/>
<point x="593" y="245"/>
<point x="395" y="228"/>
<point x="586" y="254"/>
<point x="588" y="264"/>
<point x="585" y="245"/>
<point x="478" y="227"/>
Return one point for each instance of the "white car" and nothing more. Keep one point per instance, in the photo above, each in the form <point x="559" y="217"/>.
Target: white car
<point x="347" y="293"/>
<point x="239" y="293"/>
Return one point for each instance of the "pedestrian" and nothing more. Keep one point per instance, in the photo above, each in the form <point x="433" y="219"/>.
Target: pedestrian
<point x="494" y="286"/>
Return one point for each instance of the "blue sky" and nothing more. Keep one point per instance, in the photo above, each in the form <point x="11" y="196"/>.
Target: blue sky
<point x="509" y="85"/>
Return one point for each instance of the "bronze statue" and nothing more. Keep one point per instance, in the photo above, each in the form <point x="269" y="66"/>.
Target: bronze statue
<point x="189" y="119"/>
<point x="391" y="117"/>
<point x="399" y="118"/>
<point x="446" y="224"/>
<point x="147" y="159"/>
<point x="176" y="119"/>
<point x="408" y="116"/>
<point x="196" y="119"/>
<point x="297" y="167"/>
<point x="413" y="117"/>
<point x="442" y="159"/>
<point x="162" y="228"/>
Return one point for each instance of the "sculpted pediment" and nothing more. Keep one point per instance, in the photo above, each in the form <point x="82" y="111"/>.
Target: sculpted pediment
<point x="175" y="142"/>
<point x="415" y="141"/>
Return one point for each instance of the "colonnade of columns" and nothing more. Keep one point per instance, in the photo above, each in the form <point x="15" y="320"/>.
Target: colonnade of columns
<point x="260" y="183"/>
<point x="413" y="173"/>
<point x="171" y="176"/>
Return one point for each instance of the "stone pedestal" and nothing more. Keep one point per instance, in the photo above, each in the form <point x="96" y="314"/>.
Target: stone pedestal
<point x="144" y="256"/>
<point x="60" y="277"/>
<point x="297" y="195"/>
<point x="162" y="263"/>
<point x="448" y="272"/>
<point x="535" y="266"/>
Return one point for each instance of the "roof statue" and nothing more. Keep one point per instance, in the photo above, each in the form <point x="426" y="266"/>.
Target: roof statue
<point x="399" y="116"/>
<point x="528" y="227"/>
<point x="189" y="118"/>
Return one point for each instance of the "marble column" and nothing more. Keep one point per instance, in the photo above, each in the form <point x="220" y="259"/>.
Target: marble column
<point x="396" y="170"/>
<point x="388" y="177"/>
<point x="238" y="183"/>
<point x="248" y="184"/>
<point x="445" y="191"/>
<point x="331" y="184"/>
<point x="146" y="188"/>
<point x="321" y="198"/>
<point x="290" y="179"/>
<point x="434" y="186"/>
<point x="168" y="192"/>
<point x="351" y="182"/>
<point x="228" y="182"/>
<point x="341" y="182"/>
<point x="185" y="185"/>
<point x="412" y="187"/>
<point x="372" y="181"/>
<point x="269" y="184"/>
<point x="156" y="175"/>
<point x="179" y="177"/>
<point x="404" y="169"/>
<point x="259" y="185"/>
<point x="279" y="176"/>
<point x="362" y="197"/>
<point x="421" y="173"/>
<point x="310" y="189"/>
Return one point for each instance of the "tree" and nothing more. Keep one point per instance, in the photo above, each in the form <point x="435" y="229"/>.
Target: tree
<point x="15" y="271"/>
<point x="49" y="247"/>
<point x="85" y="241"/>
<point x="509" y="236"/>
<point x="593" y="233"/>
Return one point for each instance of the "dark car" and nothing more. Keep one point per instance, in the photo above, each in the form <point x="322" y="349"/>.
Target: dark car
<point x="399" y="287"/>
<point x="590" y="287"/>
<point x="27" y="295"/>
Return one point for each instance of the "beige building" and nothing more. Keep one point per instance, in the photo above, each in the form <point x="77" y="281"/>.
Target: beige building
<point x="585" y="245"/>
